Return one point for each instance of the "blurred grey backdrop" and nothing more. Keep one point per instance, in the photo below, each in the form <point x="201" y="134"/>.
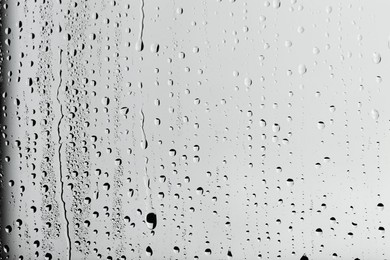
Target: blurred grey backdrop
<point x="214" y="129"/>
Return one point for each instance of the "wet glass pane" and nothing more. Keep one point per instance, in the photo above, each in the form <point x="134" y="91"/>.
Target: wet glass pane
<point x="213" y="129"/>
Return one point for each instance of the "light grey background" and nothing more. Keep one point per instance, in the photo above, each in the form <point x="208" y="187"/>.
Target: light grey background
<point x="251" y="129"/>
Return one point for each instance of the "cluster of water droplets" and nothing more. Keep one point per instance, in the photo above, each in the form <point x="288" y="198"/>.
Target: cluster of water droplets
<point x="220" y="129"/>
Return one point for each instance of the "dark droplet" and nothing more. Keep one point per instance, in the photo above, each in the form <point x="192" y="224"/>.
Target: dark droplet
<point x="149" y="251"/>
<point x="151" y="219"/>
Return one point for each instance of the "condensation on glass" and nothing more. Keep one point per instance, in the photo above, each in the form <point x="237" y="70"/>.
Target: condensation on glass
<point x="221" y="129"/>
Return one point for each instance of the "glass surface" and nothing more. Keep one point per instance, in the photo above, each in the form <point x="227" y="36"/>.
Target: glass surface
<point x="213" y="129"/>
